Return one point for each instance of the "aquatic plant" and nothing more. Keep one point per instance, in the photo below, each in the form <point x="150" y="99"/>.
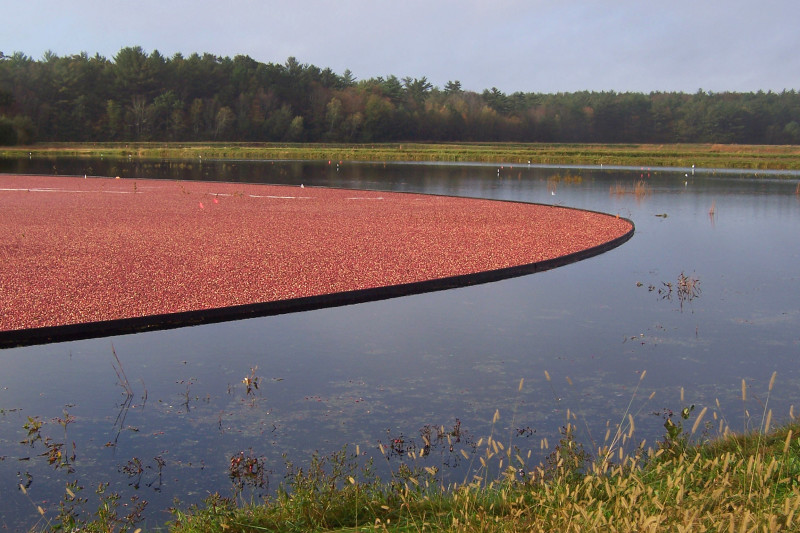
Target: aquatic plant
<point x="686" y="289"/>
<point x="640" y="189"/>
<point x="251" y="381"/>
<point x="248" y="470"/>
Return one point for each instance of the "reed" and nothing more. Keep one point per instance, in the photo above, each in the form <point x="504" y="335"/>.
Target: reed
<point x="618" y="189"/>
<point x="640" y="189"/>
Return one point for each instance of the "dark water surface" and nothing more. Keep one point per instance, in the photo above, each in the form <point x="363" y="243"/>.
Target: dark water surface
<point x="381" y="372"/>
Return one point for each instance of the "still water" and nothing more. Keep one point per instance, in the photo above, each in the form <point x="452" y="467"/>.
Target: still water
<point x="387" y="372"/>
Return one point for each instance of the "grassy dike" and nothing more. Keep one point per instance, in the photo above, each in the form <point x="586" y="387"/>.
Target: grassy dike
<point x="644" y="155"/>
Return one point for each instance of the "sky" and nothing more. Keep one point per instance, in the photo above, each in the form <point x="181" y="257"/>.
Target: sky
<point x="514" y="45"/>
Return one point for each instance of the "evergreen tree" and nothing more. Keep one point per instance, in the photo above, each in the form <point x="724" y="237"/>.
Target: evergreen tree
<point x="146" y="96"/>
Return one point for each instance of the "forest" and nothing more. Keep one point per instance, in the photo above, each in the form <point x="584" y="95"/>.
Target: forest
<point x="138" y="96"/>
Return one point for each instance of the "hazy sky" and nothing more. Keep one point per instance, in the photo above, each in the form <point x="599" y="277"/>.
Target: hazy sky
<point x="514" y="45"/>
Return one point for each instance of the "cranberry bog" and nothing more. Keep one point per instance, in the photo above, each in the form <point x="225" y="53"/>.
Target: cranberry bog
<point x="698" y="307"/>
<point x="97" y="256"/>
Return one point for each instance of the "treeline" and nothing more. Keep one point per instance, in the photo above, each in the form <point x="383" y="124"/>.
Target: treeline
<point x="149" y="97"/>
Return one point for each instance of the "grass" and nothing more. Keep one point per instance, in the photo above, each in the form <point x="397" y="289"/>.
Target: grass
<point x="740" y="483"/>
<point x="748" y="481"/>
<point x="638" y="155"/>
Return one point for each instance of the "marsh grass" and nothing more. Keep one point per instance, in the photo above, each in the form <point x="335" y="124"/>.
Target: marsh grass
<point x="747" y="481"/>
<point x="640" y="190"/>
<point x="567" y="179"/>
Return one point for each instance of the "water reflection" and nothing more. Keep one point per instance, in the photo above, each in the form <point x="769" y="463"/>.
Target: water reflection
<point x="382" y="371"/>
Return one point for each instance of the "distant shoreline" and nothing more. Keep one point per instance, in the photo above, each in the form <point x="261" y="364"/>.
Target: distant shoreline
<point x="722" y="156"/>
